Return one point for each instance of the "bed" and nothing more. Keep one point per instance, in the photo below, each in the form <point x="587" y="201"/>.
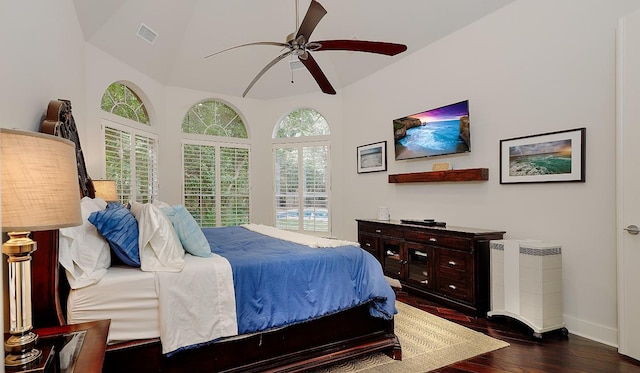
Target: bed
<point x="339" y="335"/>
<point x="324" y="336"/>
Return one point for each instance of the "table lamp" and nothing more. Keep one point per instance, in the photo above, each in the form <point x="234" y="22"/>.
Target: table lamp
<point x="106" y="189"/>
<point x="40" y="191"/>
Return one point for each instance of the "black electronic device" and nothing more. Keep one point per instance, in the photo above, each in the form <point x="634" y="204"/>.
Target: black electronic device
<point x="424" y="222"/>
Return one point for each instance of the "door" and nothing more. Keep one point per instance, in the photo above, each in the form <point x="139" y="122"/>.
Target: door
<point x="628" y="184"/>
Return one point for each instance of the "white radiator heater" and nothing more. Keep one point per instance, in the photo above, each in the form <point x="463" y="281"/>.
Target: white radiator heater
<point x="526" y="283"/>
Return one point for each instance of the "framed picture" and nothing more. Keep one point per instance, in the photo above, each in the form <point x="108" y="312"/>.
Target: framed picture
<point x="372" y="157"/>
<point x="548" y="157"/>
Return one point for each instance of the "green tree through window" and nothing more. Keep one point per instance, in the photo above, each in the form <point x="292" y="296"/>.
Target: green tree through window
<point x="131" y="154"/>
<point x="216" y="167"/>
<point x="214" y="118"/>
<point x="120" y="100"/>
<point x="302" y="172"/>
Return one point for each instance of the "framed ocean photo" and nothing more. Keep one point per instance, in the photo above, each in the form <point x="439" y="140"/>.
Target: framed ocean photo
<point x="548" y="157"/>
<point x="372" y="157"/>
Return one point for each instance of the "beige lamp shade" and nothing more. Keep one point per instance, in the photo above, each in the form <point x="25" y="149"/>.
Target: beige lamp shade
<point x="39" y="182"/>
<point x="106" y="189"/>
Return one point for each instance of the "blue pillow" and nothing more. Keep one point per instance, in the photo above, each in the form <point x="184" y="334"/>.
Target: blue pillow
<point x="188" y="231"/>
<point x="120" y="228"/>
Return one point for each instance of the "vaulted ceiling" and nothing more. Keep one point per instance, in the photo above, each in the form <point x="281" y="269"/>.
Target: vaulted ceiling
<point x="189" y="30"/>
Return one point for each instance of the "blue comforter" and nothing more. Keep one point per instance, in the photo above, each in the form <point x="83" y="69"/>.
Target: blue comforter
<point x="280" y="282"/>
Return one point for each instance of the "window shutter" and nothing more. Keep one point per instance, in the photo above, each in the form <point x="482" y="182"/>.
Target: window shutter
<point x="286" y="185"/>
<point x="146" y="168"/>
<point x="234" y="186"/>
<point x="131" y="158"/>
<point x="315" y="189"/>
<point x="199" y="191"/>
<point x="118" y="159"/>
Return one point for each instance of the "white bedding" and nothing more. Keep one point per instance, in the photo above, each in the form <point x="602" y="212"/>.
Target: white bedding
<point x="299" y="238"/>
<point x="185" y="316"/>
<point x="196" y="308"/>
<point x="125" y="295"/>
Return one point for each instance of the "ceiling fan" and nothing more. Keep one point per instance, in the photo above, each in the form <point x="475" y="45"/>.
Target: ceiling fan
<point x="297" y="44"/>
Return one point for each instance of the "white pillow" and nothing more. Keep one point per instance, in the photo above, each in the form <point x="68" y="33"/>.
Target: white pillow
<point x="84" y="253"/>
<point x="160" y="248"/>
<point x="160" y="203"/>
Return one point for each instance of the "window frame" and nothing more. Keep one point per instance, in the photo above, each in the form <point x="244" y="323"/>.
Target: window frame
<point x="300" y="143"/>
<point x="133" y="130"/>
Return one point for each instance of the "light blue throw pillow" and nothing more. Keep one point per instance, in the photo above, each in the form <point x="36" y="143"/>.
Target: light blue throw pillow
<point x="120" y="228"/>
<point x="188" y="231"/>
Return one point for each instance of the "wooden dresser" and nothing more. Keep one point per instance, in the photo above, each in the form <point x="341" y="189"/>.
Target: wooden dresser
<point x="449" y="265"/>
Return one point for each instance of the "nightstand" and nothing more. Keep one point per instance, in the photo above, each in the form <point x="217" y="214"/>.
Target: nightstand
<point x="71" y="348"/>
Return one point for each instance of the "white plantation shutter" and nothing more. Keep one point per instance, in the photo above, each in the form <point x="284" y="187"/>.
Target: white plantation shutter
<point x="118" y="158"/>
<point x="287" y="188"/>
<point x="302" y="186"/>
<point x="132" y="161"/>
<point x="199" y="191"/>
<point x="146" y="168"/>
<point x="216" y="182"/>
<point x="234" y="186"/>
<point x="315" y="188"/>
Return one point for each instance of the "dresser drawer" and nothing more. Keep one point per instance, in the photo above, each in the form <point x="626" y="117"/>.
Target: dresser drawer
<point x="369" y="243"/>
<point x="455" y="287"/>
<point x="439" y="240"/>
<point x="379" y="229"/>
<point x="450" y="261"/>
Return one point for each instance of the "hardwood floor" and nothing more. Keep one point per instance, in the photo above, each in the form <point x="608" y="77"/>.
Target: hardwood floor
<point x="553" y="353"/>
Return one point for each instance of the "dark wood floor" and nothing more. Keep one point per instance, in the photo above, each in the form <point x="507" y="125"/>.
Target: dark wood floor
<point x="553" y="353"/>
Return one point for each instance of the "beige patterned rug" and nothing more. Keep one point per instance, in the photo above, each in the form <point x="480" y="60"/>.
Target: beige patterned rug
<point x="428" y="342"/>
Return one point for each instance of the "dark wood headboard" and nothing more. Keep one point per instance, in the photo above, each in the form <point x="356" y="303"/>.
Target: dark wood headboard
<point x="50" y="289"/>
<point x="59" y="122"/>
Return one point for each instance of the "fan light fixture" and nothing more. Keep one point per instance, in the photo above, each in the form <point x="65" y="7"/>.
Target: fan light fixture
<point x="297" y="44"/>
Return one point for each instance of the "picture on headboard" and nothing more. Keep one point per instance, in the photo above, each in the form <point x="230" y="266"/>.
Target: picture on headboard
<point x="439" y="131"/>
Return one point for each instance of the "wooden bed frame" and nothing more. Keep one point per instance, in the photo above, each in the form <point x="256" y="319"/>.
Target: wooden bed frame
<point x="344" y="335"/>
<point x="299" y="347"/>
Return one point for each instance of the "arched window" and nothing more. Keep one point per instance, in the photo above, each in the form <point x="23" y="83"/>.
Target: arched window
<point x="214" y="118"/>
<point x="122" y="101"/>
<point x="216" y="165"/>
<point x="131" y="154"/>
<point x="301" y="160"/>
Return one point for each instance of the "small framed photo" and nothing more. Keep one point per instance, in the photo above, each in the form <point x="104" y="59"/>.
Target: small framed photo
<point x="548" y="157"/>
<point x="372" y="157"/>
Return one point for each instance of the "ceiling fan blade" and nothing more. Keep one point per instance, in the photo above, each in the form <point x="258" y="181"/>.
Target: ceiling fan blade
<point x="311" y="65"/>
<point x="390" y="49"/>
<point x="277" y="44"/>
<point x="311" y="20"/>
<point x="264" y="70"/>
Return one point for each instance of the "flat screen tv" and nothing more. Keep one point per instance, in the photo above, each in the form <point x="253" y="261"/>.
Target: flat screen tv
<point x="439" y="131"/>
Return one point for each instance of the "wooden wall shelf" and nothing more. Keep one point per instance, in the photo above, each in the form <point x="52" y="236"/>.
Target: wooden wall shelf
<point x="470" y="174"/>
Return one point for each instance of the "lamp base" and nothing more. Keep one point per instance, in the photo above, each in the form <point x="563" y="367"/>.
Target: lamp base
<point x="19" y="349"/>
<point x="22" y="359"/>
<point x="44" y="364"/>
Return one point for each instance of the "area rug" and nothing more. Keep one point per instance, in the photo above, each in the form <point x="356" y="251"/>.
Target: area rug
<point x="428" y="342"/>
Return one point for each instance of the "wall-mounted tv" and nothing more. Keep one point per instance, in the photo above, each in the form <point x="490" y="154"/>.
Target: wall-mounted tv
<point x="439" y="131"/>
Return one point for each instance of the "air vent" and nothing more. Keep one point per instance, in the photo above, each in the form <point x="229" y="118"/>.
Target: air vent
<point x="295" y="65"/>
<point x="147" y="34"/>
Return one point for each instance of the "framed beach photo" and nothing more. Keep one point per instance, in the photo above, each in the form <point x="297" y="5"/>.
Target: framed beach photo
<point x="372" y="157"/>
<point x="548" y="157"/>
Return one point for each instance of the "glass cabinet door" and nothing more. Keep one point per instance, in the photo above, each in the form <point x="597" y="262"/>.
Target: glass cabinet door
<point x="392" y="258"/>
<point x="420" y="263"/>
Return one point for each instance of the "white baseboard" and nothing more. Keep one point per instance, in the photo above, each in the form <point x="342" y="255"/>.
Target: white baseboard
<point x="589" y="330"/>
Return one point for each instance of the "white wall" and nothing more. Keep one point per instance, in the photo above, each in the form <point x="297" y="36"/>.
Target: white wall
<point x="41" y="59"/>
<point x="532" y="67"/>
